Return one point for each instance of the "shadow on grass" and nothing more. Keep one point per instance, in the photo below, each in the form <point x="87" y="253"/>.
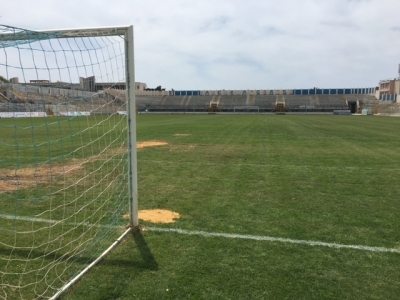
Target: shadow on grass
<point x="129" y="254"/>
<point x="148" y="260"/>
<point x="137" y="257"/>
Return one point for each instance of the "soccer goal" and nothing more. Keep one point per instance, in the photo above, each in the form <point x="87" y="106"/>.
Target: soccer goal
<point x="246" y="109"/>
<point x="68" y="172"/>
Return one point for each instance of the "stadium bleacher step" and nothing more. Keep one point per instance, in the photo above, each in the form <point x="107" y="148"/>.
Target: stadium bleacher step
<point x="2" y="97"/>
<point x="250" y="100"/>
<point x="186" y="100"/>
<point x="163" y="100"/>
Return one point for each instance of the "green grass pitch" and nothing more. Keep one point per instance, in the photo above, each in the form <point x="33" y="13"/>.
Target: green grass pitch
<point x="331" y="179"/>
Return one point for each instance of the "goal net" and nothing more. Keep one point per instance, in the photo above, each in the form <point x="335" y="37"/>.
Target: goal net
<point x="66" y="193"/>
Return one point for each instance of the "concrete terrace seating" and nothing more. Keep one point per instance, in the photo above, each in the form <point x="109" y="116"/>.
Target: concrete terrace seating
<point x="173" y="100"/>
<point x="265" y="101"/>
<point x="230" y="101"/>
<point x="41" y="96"/>
<point x="332" y="101"/>
<point x="293" y="102"/>
<point x="200" y="101"/>
<point x="2" y="97"/>
<point x="174" y="103"/>
<point x="317" y="102"/>
<point x="142" y="101"/>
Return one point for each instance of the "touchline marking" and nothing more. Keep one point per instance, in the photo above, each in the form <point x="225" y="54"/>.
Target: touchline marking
<point x="274" y="239"/>
<point x="218" y="234"/>
<point x="30" y="219"/>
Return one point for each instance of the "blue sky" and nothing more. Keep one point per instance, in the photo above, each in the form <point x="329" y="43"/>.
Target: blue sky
<point x="232" y="44"/>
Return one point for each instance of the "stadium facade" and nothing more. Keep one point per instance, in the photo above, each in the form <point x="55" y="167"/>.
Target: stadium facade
<point x="318" y="100"/>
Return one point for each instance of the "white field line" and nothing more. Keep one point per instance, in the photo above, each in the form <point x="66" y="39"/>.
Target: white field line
<point x="224" y="235"/>
<point x="274" y="239"/>
<point x="30" y="219"/>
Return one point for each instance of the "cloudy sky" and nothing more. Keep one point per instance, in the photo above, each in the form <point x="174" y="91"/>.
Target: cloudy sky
<point x="238" y="44"/>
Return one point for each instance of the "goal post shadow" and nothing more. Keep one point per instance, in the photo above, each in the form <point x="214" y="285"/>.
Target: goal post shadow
<point x="148" y="260"/>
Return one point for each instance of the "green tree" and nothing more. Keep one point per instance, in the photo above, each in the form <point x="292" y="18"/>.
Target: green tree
<point x="2" y="79"/>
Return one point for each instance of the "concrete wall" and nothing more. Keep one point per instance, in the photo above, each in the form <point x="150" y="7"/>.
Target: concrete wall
<point x="140" y="86"/>
<point x="397" y="87"/>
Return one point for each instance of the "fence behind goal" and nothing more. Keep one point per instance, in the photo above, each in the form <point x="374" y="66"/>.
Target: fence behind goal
<point x="246" y="109"/>
<point x="67" y="165"/>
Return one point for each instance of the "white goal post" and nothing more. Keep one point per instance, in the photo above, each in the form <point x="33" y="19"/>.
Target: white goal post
<point x="68" y="171"/>
<point x="246" y="109"/>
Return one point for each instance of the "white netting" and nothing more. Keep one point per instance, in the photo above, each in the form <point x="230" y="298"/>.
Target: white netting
<point x="64" y="163"/>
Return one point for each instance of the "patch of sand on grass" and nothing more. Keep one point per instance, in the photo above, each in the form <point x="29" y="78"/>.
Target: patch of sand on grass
<point x="11" y="180"/>
<point x="6" y="186"/>
<point x="141" y="145"/>
<point x="157" y="215"/>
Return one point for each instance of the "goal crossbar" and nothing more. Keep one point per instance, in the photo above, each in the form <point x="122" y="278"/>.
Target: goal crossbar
<point x="62" y="33"/>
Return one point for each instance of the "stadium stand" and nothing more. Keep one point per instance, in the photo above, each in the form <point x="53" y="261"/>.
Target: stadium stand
<point x="265" y="102"/>
<point x="30" y="97"/>
<point x="228" y="102"/>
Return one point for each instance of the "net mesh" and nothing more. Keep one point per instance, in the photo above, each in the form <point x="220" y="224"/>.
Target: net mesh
<point x="64" y="163"/>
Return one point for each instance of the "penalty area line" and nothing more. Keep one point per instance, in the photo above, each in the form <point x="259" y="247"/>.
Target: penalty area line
<point x="219" y="234"/>
<point x="273" y="239"/>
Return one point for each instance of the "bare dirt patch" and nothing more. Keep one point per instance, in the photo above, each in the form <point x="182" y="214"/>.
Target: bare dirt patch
<point x="141" y="145"/>
<point x="11" y="180"/>
<point x="6" y="186"/>
<point x="14" y="179"/>
<point x="157" y="215"/>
